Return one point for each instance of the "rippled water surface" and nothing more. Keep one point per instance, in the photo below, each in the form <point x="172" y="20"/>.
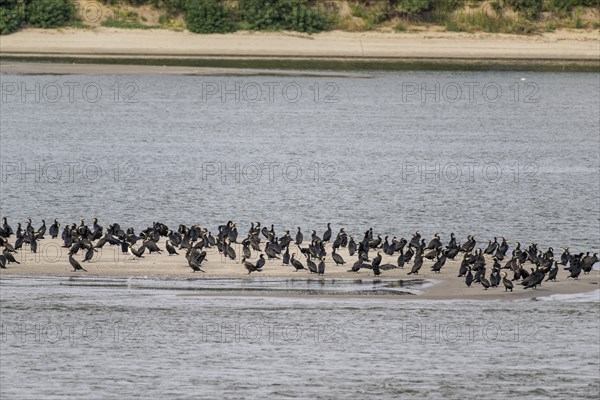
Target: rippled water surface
<point x="520" y="159"/>
<point x="61" y="340"/>
<point x="515" y="155"/>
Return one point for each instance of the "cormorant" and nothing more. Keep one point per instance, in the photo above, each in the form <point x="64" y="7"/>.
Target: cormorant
<point x="377" y="260"/>
<point x="9" y="257"/>
<point x="261" y="261"/>
<point x="286" y="256"/>
<point x="312" y="267"/>
<point x="299" y="237"/>
<point x="351" y="246"/>
<point x="469" y="278"/>
<point x="249" y="266"/>
<point x="553" y="272"/>
<point x="507" y="283"/>
<point x="417" y="265"/>
<point x="296" y="264"/>
<point x="76" y="266"/>
<point x="327" y="233"/>
<point x="492" y="246"/>
<point x="434" y="243"/>
<point x="89" y="254"/>
<point x="170" y="249"/>
<point x="321" y="267"/>
<point x="484" y="282"/>
<point x="337" y="258"/>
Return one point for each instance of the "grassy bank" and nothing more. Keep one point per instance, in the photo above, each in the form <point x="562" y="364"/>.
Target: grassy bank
<point x="218" y="16"/>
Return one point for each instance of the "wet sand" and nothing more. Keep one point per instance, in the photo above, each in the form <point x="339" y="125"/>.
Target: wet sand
<point x="52" y="260"/>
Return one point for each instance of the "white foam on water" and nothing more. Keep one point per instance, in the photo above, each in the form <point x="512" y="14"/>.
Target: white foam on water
<point x="593" y="296"/>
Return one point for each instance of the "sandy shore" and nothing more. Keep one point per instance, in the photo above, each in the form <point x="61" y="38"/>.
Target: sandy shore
<point x="52" y="260"/>
<point x="102" y="42"/>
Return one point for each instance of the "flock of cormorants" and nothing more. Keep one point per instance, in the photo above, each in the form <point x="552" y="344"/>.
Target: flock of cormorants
<point x="194" y="240"/>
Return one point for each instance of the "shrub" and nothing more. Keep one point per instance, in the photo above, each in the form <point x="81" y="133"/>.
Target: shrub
<point x="11" y="16"/>
<point x="49" y="13"/>
<point x="282" y="14"/>
<point x="400" y="27"/>
<point x="207" y="16"/>
<point x="414" y="7"/>
<point x="528" y="8"/>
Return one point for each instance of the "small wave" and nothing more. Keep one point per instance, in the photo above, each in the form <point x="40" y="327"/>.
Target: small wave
<point x="593" y="296"/>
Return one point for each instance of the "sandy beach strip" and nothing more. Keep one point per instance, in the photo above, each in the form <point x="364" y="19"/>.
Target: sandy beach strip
<point x="52" y="260"/>
<point x="301" y="51"/>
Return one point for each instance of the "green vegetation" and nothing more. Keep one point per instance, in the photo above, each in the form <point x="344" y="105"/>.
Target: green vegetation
<point x="207" y="16"/>
<point x="36" y="13"/>
<point x="295" y="15"/>
<point x="219" y="16"/>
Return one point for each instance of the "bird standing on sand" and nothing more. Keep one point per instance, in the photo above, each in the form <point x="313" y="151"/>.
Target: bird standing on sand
<point x="76" y="266"/>
<point x="507" y="282"/>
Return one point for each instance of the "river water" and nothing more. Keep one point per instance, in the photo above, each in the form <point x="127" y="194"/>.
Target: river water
<point x="64" y="338"/>
<point x="490" y="154"/>
<point x="497" y="153"/>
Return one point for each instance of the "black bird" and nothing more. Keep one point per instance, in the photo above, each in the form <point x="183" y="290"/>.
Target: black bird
<point x="553" y="272"/>
<point x="357" y="266"/>
<point x="321" y="267"/>
<point x="152" y="246"/>
<point x="299" y="237"/>
<point x="437" y="266"/>
<point x="416" y="265"/>
<point x="270" y="252"/>
<point x="469" y="278"/>
<point x="312" y="267"/>
<point x="351" y="246"/>
<point x="194" y="265"/>
<point x="170" y="249"/>
<point x="400" y="260"/>
<point x="327" y="233"/>
<point x="261" y="261"/>
<point x="337" y="258"/>
<point x="76" y="266"/>
<point x="507" y="283"/>
<point x="249" y="266"/>
<point x="9" y="257"/>
<point x="434" y="243"/>
<point x="491" y="248"/>
<point x="7" y="230"/>
<point x="89" y="254"/>
<point x="286" y="256"/>
<point x="136" y="253"/>
<point x="565" y="256"/>
<point x="2" y="261"/>
<point x="296" y="264"/>
<point x="587" y="263"/>
<point x="484" y="282"/>
<point x="377" y="260"/>
<point x="575" y="271"/>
